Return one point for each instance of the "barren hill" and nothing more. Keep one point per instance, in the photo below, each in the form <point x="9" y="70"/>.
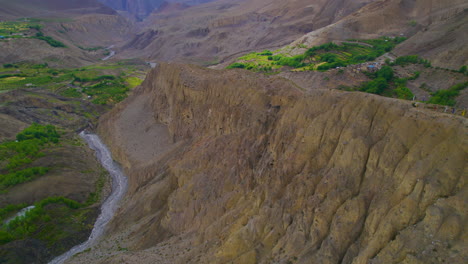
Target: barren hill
<point x="235" y="167"/>
<point x="140" y="9"/>
<point x="31" y="8"/>
<point x="221" y="30"/>
<point x="209" y="32"/>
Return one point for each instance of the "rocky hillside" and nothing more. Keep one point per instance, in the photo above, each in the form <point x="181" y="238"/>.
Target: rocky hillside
<point x="219" y="31"/>
<point x="33" y="8"/>
<point x="206" y="34"/>
<point x="236" y="167"/>
<point x="435" y="28"/>
<point x="140" y="9"/>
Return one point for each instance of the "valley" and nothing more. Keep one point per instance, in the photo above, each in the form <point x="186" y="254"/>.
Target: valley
<point x="249" y="131"/>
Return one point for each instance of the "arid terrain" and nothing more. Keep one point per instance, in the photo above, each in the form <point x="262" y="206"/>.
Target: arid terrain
<point x="254" y="170"/>
<point x="251" y="131"/>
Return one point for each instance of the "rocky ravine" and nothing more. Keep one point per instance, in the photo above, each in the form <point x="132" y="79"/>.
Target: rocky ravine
<point x="250" y="169"/>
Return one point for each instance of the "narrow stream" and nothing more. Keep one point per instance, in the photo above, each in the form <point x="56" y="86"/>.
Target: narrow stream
<point x="110" y="205"/>
<point x="111" y="53"/>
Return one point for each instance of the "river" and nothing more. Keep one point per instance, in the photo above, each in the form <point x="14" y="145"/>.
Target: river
<point x="110" y="205"/>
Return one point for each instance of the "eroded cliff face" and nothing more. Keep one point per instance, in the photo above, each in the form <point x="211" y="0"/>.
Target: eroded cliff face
<point x="245" y="168"/>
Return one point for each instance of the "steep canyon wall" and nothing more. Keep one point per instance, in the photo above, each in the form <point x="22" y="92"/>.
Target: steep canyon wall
<point x="236" y="167"/>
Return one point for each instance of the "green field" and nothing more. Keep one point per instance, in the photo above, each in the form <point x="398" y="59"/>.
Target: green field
<point x="319" y="58"/>
<point x="15" y="156"/>
<point x="102" y="84"/>
<point x="8" y="28"/>
<point x="22" y="29"/>
<point x="54" y="218"/>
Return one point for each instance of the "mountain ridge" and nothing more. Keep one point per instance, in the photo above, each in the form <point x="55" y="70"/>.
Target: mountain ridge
<point x="257" y="171"/>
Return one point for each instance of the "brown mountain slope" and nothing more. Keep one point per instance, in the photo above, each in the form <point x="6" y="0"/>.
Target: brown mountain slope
<point x="212" y="31"/>
<point x="245" y="168"/>
<point x="31" y="8"/>
<point x="436" y="29"/>
<point x="140" y="9"/>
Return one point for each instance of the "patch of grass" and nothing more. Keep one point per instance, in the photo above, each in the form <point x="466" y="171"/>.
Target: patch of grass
<point x="8" y="28"/>
<point x="71" y="92"/>
<point x="14" y="155"/>
<point x="9" y="210"/>
<point x="447" y="97"/>
<point x="411" y="59"/>
<point x="91" y="48"/>
<point x="51" y="41"/>
<point x="133" y="82"/>
<point x="40" y="222"/>
<point x="401" y="91"/>
<point x="95" y="196"/>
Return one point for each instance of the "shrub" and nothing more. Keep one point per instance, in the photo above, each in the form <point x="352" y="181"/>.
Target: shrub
<point x="52" y="42"/>
<point x="236" y="65"/>
<point x="447" y="97"/>
<point x="21" y="176"/>
<point x="45" y="134"/>
<point x="265" y="53"/>
<point x="461" y="70"/>
<point x="376" y="86"/>
<point x="386" y="72"/>
<point x="401" y="91"/>
<point x="9" y="65"/>
<point x="414" y="59"/>
<point x="328" y="57"/>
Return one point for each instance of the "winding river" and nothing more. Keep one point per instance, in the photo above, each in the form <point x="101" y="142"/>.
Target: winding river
<point x="110" y="205"/>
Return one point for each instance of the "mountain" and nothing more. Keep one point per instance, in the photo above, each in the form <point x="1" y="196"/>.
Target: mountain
<point x="236" y="167"/>
<point x="140" y="9"/>
<point x="210" y="32"/>
<point x="435" y="28"/>
<point x="219" y="31"/>
<point x="31" y="8"/>
<point x="137" y="8"/>
<point x="307" y="154"/>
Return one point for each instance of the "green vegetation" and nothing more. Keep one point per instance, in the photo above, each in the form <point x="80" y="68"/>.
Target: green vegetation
<point x="9" y="28"/>
<point x="21" y="29"/>
<point x="384" y="83"/>
<point x="95" y="196"/>
<point x="52" y="42"/>
<point x="94" y="81"/>
<point x="322" y="58"/>
<point x="53" y="219"/>
<point x="15" y="155"/>
<point x="411" y="59"/>
<point x="91" y="48"/>
<point x="45" y="221"/>
<point x="9" y="210"/>
<point x="463" y="70"/>
<point x="133" y="82"/>
<point x="447" y="97"/>
<point x="401" y="91"/>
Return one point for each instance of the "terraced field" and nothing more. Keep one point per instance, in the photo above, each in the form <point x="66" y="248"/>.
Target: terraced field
<point x="102" y="84"/>
<point x="319" y="58"/>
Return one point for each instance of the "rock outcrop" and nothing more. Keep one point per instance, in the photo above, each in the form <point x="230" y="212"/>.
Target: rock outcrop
<point x="245" y="168"/>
